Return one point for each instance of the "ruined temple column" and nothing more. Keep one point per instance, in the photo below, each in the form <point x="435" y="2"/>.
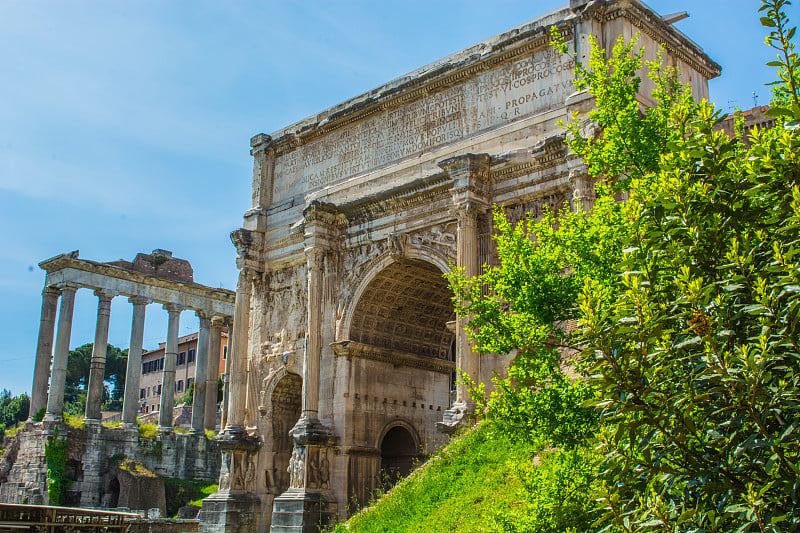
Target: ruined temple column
<point x="200" y="375"/>
<point x="214" y="341"/>
<point x="44" y="350"/>
<point x="133" y="371"/>
<point x="55" y="398"/>
<point x="226" y="381"/>
<point x="470" y="191"/>
<point x="97" y="366"/>
<point x="237" y="355"/>
<point x="168" y="374"/>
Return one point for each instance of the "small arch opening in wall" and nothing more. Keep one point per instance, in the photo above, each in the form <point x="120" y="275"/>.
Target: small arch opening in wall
<point x="398" y="455"/>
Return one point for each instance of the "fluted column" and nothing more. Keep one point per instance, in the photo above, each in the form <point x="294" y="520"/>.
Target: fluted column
<point x="470" y="175"/>
<point x="467" y="359"/>
<point x="214" y="341"/>
<point x="313" y="354"/>
<point x="97" y="366"/>
<point x="133" y="371"/>
<point x="55" y="398"/>
<point x="237" y="356"/>
<point x="44" y="350"/>
<point x="226" y="380"/>
<point x="200" y="374"/>
<point x="168" y="374"/>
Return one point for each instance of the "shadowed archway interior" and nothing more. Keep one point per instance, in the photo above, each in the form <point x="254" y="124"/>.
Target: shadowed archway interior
<point x="398" y="453"/>
<point x="406" y="307"/>
<point x="286" y="399"/>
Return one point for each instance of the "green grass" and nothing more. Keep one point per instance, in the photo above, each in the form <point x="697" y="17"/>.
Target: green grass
<point x="206" y="490"/>
<point x="483" y="482"/>
<point x="148" y="431"/>
<point x="180" y="492"/>
<point x="75" y="421"/>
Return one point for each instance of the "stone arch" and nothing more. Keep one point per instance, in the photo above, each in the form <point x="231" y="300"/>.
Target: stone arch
<point x="399" y="446"/>
<point x="402" y="304"/>
<point x="399" y="422"/>
<point x="375" y="267"/>
<point x="284" y="394"/>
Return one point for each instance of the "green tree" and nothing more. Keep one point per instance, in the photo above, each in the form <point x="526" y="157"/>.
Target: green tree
<point x="690" y="341"/>
<point x="13" y="409"/>
<point x="78" y="365"/>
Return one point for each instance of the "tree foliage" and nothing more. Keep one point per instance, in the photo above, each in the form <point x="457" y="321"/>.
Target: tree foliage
<point x="13" y="409"/>
<point x="688" y="326"/>
<point x="78" y="365"/>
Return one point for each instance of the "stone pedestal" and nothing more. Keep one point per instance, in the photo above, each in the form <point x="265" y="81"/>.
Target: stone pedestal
<point x="309" y="505"/>
<point x="234" y="508"/>
<point x="230" y="513"/>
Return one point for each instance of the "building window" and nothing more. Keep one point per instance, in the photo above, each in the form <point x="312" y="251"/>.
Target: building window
<point x="145" y="409"/>
<point x="188" y="383"/>
<point x="160" y="364"/>
<point x="190" y="357"/>
<point x="180" y="385"/>
<point x="144" y="368"/>
<point x="159" y="390"/>
<point x="142" y="392"/>
<point x="224" y="352"/>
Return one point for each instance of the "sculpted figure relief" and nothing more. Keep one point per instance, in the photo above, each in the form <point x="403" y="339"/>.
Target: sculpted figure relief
<point x="297" y="467"/>
<point x="441" y="237"/>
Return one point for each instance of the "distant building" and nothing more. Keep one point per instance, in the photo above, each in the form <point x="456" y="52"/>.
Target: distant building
<point x="755" y="117"/>
<point x="153" y="366"/>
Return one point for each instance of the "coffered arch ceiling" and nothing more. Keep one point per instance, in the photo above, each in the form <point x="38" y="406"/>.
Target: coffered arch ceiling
<point x="406" y="307"/>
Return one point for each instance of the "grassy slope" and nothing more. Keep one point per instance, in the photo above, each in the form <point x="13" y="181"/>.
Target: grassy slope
<point x="460" y="489"/>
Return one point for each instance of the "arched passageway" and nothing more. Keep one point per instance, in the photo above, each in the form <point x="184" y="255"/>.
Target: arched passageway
<point x="286" y="402"/>
<point x="398" y="453"/>
<point x="406" y="307"/>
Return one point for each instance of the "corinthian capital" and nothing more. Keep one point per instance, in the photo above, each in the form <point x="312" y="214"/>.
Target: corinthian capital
<point x="467" y="212"/>
<point x="316" y="258"/>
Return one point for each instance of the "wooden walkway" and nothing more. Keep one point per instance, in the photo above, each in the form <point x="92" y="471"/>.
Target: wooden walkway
<point x="46" y="519"/>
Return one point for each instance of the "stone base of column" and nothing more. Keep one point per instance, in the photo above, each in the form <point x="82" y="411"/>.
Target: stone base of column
<point x="308" y="506"/>
<point x="230" y="513"/>
<point x="302" y="511"/>
<point x="460" y="415"/>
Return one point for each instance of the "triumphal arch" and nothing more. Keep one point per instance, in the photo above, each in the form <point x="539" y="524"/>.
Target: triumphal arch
<point x="345" y="342"/>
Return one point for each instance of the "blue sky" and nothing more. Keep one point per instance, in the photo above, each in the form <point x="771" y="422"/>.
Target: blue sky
<point x="125" y="126"/>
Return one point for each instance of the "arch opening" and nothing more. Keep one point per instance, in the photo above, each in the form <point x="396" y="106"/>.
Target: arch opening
<point x="286" y="404"/>
<point x="406" y="307"/>
<point x="398" y="453"/>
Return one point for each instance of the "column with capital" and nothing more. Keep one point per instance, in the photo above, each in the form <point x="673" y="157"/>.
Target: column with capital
<point x="237" y="355"/>
<point x="309" y="502"/>
<point x="44" y="350"/>
<point x="214" y="342"/>
<point x="133" y="370"/>
<point x="470" y="173"/>
<point x="226" y="380"/>
<point x="234" y="507"/>
<point x="168" y="373"/>
<point x="97" y="366"/>
<point x="55" y="398"/>
<point x="200" y="374"/>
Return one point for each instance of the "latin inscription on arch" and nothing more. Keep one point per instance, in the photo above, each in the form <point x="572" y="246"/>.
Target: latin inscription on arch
<point x="528" y="84"/>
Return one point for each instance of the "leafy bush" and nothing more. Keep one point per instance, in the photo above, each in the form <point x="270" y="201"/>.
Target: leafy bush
<point x="555" y="496"/>
<point x="55" y="452"/>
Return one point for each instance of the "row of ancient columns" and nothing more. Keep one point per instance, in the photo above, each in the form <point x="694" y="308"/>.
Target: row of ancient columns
<point x="204" y="403"/>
